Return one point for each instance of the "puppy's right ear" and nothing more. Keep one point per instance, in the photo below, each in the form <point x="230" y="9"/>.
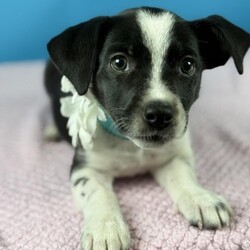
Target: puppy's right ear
<point x="75" y="51"/>
<point x="218" y="40"/>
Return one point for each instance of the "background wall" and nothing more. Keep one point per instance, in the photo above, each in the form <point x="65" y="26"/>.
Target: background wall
<point x="27" y="25"/>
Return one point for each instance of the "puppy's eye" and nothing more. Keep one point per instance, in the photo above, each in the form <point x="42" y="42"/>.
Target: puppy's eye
<point x="119" y="63"/>
<point x="187" y="66"/>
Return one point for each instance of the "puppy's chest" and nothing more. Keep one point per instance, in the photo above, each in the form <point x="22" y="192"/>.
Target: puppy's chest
<point x="122" y="160"/>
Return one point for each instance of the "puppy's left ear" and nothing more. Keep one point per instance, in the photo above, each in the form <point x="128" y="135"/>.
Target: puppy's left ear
<point x="75" y="51"/>
<point x="218" y="40"/>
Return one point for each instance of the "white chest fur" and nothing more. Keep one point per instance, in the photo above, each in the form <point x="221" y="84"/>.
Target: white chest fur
<point x="120" y="157"/>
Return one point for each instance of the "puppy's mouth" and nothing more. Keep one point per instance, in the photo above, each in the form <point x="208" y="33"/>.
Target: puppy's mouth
<point x="150" y="140"/>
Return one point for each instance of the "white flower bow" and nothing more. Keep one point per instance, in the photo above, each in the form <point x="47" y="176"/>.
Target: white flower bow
<point x="82" y="112"/>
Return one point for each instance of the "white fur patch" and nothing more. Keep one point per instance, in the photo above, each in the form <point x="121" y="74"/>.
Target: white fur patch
<point x="156" y="32"/>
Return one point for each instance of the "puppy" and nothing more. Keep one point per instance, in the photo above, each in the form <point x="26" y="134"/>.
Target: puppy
<point x="144" y="68"/>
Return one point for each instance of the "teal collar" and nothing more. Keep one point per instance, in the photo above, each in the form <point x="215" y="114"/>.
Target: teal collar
<point x="110" y="126"/>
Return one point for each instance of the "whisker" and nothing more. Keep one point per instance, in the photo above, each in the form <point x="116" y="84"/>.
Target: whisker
<point x="202" y="41"/>
<point x="123" y="126"/>
<point x="122" y="123"/>
<point x="119" y="122"/>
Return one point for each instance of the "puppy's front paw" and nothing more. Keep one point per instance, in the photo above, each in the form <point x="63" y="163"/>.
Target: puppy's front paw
<point x="205" y="209"/>
<point x="110" y="233"/>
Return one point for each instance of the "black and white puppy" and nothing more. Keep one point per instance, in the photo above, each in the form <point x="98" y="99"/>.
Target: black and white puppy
<point x="144" y="68"/>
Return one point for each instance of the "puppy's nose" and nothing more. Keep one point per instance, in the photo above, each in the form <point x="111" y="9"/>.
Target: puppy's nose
<point x="158" y="115"/>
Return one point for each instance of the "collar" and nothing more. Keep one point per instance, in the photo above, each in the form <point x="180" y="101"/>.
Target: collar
<point x="110" y="126"/>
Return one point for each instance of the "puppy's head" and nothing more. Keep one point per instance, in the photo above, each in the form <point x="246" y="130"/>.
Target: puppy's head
<point x="144" y="66"/>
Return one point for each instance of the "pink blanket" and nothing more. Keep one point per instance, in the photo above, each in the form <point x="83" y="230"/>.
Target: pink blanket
<point x="36" y="209"/>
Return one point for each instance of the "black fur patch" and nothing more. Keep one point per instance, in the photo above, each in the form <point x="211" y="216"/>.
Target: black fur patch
<point x="79" y="159"/>
<point x="183" y="43"/>
<point x="120" y="93"/>
<point x="82" y="180"/>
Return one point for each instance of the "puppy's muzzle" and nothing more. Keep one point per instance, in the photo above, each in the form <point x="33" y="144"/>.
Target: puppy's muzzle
<point x="158" y="115"/>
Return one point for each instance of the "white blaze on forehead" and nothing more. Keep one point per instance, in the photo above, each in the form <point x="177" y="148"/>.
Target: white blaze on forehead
<point x="156" y="35"/>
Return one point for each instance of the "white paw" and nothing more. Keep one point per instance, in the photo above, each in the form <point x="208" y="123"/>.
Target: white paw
<point x="205" y="209"/>
<point x="110" y="233"/>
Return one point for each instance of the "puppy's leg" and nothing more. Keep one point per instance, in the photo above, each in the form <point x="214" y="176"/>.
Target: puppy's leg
<point x="104" y="226"/>
<point x="199" y="206"/>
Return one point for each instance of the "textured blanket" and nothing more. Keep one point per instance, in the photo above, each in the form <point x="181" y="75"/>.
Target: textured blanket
<point x="36" y="209"/>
